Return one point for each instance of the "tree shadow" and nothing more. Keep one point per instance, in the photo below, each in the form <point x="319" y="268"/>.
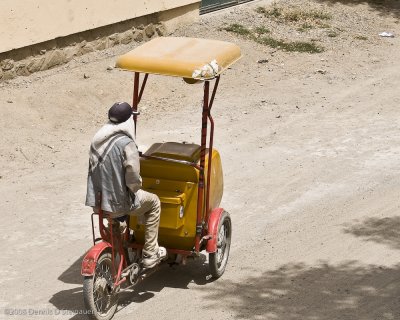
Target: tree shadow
<point x="323" y="292"/>
<point x="380" y="230"/>
<point x="384" y="7"/>
<point x="176" y="276"/>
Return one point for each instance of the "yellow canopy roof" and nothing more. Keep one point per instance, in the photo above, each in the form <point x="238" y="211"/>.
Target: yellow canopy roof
<point x="181" y="57"/>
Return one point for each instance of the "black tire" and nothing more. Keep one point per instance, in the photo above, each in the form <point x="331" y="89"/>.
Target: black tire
<point x="219" y="259"/>
<point x="100" y="301"/>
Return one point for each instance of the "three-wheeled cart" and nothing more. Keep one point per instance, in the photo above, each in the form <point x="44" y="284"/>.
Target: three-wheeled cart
<point x="186" y="177"/>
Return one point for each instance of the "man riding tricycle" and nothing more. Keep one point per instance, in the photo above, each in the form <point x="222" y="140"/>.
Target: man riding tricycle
<point x="167" y="207"/>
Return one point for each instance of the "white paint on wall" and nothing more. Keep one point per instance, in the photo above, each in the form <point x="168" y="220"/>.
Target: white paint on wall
<point x="23" y="23"/>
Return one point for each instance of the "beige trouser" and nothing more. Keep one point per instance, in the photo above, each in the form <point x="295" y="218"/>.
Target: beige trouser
<point x="149" y="212"/>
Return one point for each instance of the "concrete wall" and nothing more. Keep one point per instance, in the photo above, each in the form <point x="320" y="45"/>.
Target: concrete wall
<point x="40" y="35"/>
<point x="28" y="22"/>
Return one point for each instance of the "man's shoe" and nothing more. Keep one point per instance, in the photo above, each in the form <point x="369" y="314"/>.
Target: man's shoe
<point x="152" y="261"/>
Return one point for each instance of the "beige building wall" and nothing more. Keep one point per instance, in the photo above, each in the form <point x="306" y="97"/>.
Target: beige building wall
<point x="27" y="22"/>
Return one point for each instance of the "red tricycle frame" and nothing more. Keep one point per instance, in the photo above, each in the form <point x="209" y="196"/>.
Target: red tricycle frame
<point x="206" y="229"/>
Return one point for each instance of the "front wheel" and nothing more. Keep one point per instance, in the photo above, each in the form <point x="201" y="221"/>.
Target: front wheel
<point x="98" y="295"/>
<point x="219" y="259"/>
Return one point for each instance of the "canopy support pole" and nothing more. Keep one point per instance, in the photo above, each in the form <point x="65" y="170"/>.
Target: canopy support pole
<point x="204" y="189"/>
<point x="137" y="96"/>
<point x="210" y="149"/>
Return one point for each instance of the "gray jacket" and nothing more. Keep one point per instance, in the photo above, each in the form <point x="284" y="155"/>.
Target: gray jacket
<point x="115" y="175"/>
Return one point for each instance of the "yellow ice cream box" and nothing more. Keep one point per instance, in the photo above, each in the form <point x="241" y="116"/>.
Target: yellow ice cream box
<point x="176" y="185"/>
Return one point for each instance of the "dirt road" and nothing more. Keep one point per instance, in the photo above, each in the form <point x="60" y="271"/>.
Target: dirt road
<point x="311" y="152"/>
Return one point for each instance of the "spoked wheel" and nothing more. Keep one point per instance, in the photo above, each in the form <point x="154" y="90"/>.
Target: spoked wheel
<point x="219" y="259"/>
<point x="98" y="295"/>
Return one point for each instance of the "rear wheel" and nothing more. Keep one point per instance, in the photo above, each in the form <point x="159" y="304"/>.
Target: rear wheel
<point x="98" y="295"/>
<point x="219" y="259"/>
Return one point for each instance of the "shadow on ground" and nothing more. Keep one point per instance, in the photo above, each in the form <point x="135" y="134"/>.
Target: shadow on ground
<point x="323" y="292"/>
<point x="346" y="291"/>
<point x="384" y="7"/>
<point x="380" y="230"/>
<point x="177" y="276"/>
<point x="73" y="274"/>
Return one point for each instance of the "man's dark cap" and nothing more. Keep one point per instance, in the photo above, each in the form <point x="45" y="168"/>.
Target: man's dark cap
<point x="120" y="112"/>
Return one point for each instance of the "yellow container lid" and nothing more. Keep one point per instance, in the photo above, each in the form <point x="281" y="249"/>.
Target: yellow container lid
<point x="174" y="150"/>
<point x="190" y="58"/>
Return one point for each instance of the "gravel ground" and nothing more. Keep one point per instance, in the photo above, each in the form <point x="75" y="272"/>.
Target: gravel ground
<point x="348" y="23"/>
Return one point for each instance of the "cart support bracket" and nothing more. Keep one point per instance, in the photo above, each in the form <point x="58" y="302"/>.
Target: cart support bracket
<point x="199" y="229"/>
